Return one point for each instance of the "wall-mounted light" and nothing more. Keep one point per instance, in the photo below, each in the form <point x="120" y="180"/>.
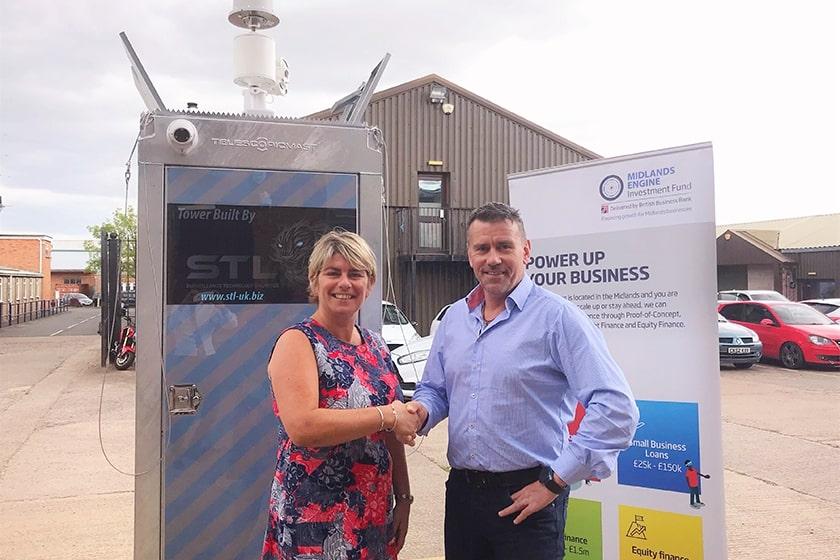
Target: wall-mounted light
<point x="437" y="94"/>
<point x="727" y="236"/>
<point x="811" y="273"/>
<point x="434" y="163"/>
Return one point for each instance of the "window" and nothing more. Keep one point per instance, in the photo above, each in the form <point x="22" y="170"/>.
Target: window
<point x="733" y="312"/>
<point x="795" y="314"/>
<point x="756" y="313"/>
<point x="393" y="316"/>
<point x="430" y="196"/>
<point x="824" y="307"/>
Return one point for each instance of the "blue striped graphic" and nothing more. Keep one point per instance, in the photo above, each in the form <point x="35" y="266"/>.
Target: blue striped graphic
<point x="189" y="185"/>
<point x="206" y="450"/>
<point x="219" y="463"/>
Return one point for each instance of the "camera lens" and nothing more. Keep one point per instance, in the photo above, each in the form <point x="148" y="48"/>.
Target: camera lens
<point x="181" y="135"/>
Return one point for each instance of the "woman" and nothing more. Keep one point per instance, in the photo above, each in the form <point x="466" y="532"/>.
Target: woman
<point x="339" y="463"/>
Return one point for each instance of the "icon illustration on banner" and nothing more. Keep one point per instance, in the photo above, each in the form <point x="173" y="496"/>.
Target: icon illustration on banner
<point x="665" y="452"/>
<point x="611" y="187"/>
<point x="692" y="478"/>
<point x="648" y="533"/>
<point x="637" y="528"/>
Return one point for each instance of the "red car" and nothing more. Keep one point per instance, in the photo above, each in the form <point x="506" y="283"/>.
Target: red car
<point x="791" y="332"/>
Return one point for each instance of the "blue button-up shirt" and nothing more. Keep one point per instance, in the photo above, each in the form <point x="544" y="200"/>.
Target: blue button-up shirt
<point x="511" y="386"/>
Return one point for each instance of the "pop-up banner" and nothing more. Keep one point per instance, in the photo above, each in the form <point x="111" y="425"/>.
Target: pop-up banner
<point x="630" y="240"/>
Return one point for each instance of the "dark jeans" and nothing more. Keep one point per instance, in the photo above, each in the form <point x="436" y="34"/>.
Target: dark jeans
<point x="473" y="529"/>
<point x="695" y="494"/>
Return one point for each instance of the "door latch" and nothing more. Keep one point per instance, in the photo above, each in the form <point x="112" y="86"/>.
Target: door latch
<point x="184" y="399"/>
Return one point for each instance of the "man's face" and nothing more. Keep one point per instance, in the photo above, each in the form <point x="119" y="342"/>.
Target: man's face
<point x="498" y="253"/>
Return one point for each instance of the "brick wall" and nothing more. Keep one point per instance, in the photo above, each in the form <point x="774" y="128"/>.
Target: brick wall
<point x="33" y="254"/>
<point x="65" y="281"/>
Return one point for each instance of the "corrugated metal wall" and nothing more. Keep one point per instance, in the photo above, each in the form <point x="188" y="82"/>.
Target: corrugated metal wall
<point x="435" y="284"/>
<point x="479" y="147"/>
<point x="824" y="264"/>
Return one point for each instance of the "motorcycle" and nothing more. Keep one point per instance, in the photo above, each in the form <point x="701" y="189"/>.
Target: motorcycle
<point x="125" y="347"/>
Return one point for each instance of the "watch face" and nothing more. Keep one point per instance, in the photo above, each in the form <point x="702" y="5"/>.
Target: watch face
<point x="546" y="475"/>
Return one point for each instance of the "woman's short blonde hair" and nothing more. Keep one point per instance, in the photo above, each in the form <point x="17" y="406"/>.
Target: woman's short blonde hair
<point x="351" y="246"/>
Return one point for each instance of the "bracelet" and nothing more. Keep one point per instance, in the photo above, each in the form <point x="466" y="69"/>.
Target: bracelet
<point x="394" y="410"/>
<point x="381" y="418"/>
<point x="404" y="498"/>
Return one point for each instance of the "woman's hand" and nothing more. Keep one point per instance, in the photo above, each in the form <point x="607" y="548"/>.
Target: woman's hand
<point x="401" y="512"/>
<point x="406" y="424"/>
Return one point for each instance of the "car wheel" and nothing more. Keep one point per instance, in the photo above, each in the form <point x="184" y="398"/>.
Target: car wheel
<point x="743" y="366"/>
<point x="791" y="356"/>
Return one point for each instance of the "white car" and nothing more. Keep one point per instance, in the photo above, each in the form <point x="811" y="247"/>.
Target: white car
<point x="396" y="328"/>
<point x="750" y="295"/>
<point x="410" y="360"/>
<point x="436" y="321"/>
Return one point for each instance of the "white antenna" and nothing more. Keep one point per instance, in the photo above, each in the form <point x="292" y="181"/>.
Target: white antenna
<point x="257" y="68"/>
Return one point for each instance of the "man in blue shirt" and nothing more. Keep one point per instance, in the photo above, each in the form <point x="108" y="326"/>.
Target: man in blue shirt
<point x="508" y="365"/>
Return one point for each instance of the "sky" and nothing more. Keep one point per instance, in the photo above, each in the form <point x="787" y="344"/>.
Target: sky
<point x="759" y="79"/>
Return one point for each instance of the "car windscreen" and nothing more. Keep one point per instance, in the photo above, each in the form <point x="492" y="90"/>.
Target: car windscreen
<point x="769" y="296"/>
<point x="799" y="314"/>
<point x="823" y="307"/>
<point x="393" y="316"/>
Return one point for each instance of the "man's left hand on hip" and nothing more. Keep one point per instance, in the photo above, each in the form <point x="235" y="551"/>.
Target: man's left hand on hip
<point x="528" y="500"/>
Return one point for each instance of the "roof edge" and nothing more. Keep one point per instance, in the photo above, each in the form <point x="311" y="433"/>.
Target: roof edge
<point x="758" y="244"/>
<point x="434" y="78"/>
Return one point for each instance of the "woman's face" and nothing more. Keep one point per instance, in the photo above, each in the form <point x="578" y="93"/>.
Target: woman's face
<point x="341" y="288"/>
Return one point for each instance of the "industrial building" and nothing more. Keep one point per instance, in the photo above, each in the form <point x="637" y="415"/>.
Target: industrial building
<point x="448" y="151"/>
<point x="798" y="257"/>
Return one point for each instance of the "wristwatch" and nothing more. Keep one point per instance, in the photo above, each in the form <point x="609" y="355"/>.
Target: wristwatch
<point x="547" y="480"/>
<point x="404" y="498"/>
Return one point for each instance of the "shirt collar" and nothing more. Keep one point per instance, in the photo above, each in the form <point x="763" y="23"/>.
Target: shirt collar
<point x="519" y="294"/>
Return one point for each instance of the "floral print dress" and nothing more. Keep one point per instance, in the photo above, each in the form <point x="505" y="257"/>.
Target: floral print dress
<point x="334" y="503"/>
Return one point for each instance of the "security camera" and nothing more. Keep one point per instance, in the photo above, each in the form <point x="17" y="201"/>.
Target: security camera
<point x="447" y="108"/>
<point x="182" y="135"/>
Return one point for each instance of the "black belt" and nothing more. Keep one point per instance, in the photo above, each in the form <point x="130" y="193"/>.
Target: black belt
<point x="484" y="479"/>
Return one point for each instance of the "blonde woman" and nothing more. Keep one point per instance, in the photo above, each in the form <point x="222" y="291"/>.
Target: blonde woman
<point x="340" y="464"/>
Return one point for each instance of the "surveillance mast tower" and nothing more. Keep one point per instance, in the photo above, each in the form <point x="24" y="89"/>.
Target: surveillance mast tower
<point x="257" y="68"/>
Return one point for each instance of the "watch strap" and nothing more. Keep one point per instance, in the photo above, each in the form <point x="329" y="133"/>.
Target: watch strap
<point x="404" y="498"/>
<point x="547" y="480"/>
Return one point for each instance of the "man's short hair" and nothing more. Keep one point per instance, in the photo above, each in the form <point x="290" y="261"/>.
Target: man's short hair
<point x="497" y="212"/>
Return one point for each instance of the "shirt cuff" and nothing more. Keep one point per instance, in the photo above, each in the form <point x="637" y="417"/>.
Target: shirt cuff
<point x="431" y="420"/>
<point x="570" y="469"/>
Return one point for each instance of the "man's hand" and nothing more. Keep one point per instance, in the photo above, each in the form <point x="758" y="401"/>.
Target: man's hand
<point x="528" y="500"/>
<point x="405" y="424"/>
<point x="417" y="415"/>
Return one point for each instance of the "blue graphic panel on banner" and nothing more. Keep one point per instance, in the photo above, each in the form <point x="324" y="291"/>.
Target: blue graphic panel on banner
<point x="668" y="435"/>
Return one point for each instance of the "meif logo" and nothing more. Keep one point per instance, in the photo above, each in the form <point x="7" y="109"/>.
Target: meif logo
<point x="611" y="187"/>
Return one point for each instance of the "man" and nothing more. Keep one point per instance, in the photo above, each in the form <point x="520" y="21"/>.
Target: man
<point x="692" y="478"/>
<point x="508" y="365"/>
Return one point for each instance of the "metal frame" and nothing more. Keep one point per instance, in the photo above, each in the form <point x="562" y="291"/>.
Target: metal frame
<point x="225" y="142"/>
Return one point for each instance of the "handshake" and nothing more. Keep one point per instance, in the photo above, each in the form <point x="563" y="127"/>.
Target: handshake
<point x="410" y="418"/>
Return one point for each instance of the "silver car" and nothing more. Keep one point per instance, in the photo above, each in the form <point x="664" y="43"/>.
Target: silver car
<point x="739" y="346"/>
